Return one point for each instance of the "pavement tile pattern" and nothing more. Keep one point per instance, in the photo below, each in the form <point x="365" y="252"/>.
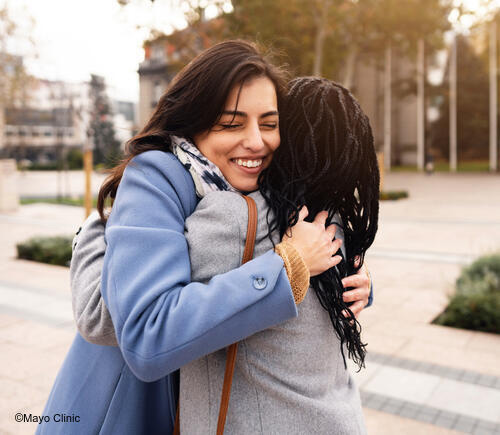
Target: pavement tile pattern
<point x="428" y="414"/>
<point x="465" y="376"/>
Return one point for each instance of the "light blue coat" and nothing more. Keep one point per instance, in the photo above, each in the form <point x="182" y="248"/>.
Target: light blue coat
<point x="162" y="320"/>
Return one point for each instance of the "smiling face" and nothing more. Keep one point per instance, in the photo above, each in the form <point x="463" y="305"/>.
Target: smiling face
<point x="242" y="142"/>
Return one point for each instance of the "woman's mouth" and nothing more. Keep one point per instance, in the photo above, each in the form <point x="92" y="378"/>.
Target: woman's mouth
<point x="248" y="166"/>
<point x="247" y="163"/>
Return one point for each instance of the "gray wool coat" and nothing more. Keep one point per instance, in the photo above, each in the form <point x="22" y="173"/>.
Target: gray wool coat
<point x="289" y="379"/>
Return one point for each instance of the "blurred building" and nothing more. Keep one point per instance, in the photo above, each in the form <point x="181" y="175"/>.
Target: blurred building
<point x="124" y="119"/>
<point x="154" y="75"/>
<point x="53" y="119"/>
<point x="50" y="120"/>
<point x="11" y="69"/>
<point x="368" y="87"/>
<point x="165" y="55"/>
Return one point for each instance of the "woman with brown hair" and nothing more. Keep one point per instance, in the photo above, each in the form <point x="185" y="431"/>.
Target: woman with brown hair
<point x="201" y="138"/>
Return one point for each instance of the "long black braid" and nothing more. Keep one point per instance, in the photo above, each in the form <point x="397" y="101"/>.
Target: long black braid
<point x="327" y="161"/>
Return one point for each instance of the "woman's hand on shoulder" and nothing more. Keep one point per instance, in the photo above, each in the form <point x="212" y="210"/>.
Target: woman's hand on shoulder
<point x="361" y="288"/>
<point x="314" y="242"/>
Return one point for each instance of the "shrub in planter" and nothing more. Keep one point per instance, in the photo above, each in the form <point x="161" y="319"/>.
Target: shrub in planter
<point x="476" y="303"/>
<point x="482" y="276"/>
<point x="51" y="250"/>
<point x="393" y="195"/>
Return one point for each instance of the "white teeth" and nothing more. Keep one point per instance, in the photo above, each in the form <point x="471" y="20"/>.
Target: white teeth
<point x="249" y="163"/>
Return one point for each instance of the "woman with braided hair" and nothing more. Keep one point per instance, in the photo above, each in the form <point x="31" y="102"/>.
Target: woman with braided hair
<point x="327" y="161"/>
<point x="277" y="386"/>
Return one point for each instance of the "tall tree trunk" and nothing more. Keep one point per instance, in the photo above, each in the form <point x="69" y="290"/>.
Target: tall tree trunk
<point x="388" y="107"/>
<point x="421" y="105"/>
<point x="453" y="105"/>
<point x="321" y="19"/>
<point x="350" y="68"/>
<point x="493" y="98"/>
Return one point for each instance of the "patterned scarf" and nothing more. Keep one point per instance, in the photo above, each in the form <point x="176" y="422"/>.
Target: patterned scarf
<point x="206" y="176"/>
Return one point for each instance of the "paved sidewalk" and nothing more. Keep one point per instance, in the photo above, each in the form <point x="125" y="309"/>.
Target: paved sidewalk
<point x="419" y="378"/>
<point x="444" y="376"/>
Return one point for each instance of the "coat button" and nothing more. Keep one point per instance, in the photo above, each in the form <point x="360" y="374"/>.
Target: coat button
<point x="260" y="283"/>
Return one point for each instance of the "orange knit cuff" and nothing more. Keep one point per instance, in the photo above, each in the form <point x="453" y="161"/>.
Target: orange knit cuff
<point x="296" y="269"/>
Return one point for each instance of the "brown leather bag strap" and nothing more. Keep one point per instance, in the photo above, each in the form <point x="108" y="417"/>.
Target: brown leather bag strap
<point x="177" y="426"/>
<point x="251" y="230"/>
<point x="233" y="349"/>
<point x="226" y="387"/>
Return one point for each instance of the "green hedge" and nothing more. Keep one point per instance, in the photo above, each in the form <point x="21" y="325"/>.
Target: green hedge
<point x="79" y="202"/>
<point x="74" y="160"/>
<point x="476" y="302"/>
<point x="392" y="195"/>
<point x="51" y="166"/>
<point x="444" y="166"/>
<point x="51" y="250"/>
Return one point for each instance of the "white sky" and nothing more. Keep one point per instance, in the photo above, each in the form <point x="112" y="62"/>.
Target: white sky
<point x="74" y="38"/>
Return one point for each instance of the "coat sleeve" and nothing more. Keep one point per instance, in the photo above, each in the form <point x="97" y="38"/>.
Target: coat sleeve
<point x="370" y="297"/>
<point x="91" y="315"/>
<point x="162" y="320"/>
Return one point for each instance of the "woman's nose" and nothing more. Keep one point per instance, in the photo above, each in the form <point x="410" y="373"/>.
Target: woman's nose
<point x="254" y="140"/>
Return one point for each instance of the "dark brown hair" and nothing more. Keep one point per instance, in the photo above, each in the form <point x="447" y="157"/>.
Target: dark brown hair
<point x="194" y="101"/>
